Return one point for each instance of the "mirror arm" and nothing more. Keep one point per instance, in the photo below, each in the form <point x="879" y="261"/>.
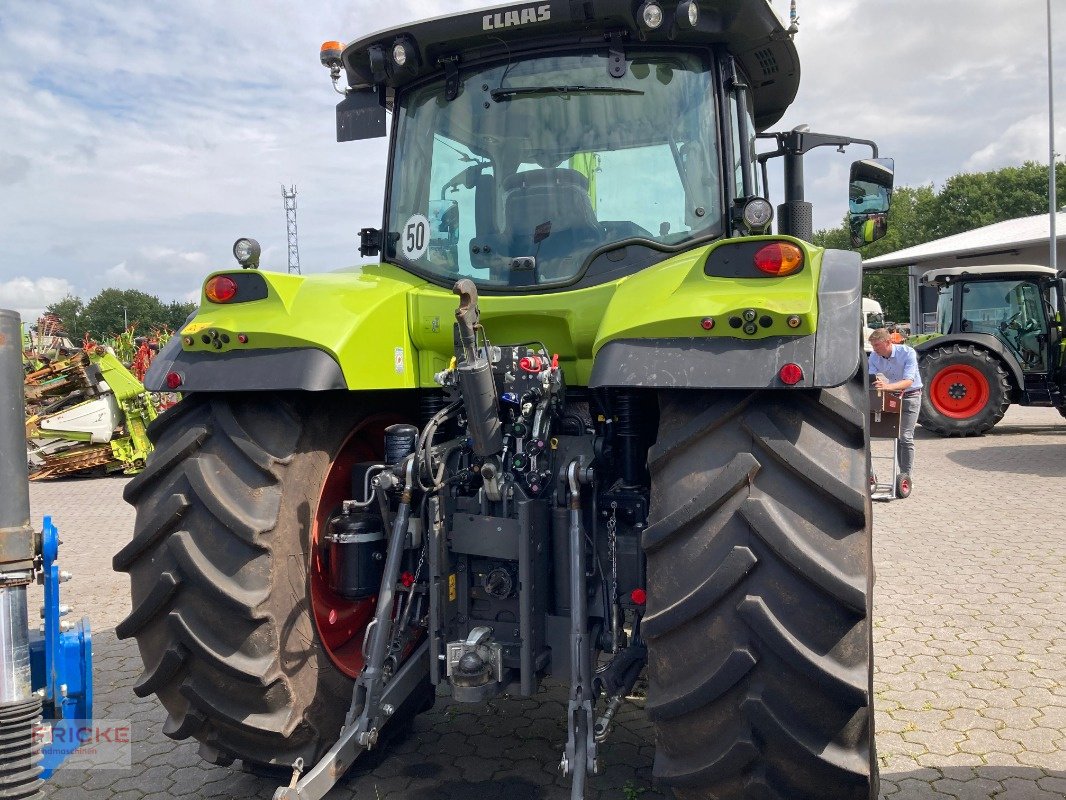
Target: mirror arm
<point x="801" y="142"/>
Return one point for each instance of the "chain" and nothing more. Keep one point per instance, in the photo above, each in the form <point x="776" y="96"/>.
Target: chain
<point x="612" y="544"/>
<point x="400" y="629"/>
<point x="421" y="559"/>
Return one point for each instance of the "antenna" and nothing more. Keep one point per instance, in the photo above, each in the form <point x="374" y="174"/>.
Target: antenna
<point x="289" y="196"/>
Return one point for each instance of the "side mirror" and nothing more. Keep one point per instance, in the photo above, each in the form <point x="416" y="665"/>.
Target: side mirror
<point x="869" y="199"/>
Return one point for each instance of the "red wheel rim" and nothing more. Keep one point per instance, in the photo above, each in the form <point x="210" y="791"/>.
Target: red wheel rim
<point x="959" y="391"/>
<point x="341" y="623"/>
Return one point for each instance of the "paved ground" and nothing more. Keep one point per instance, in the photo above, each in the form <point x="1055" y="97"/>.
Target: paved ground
<point x="970" y="633"/>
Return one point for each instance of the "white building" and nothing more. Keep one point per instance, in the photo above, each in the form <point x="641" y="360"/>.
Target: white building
<point x="1016" y="241"/>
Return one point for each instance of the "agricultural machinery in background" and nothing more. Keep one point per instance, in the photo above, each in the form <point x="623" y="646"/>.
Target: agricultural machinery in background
<point x="86" y="411"/>
<point x="589" y="418"/>
<point x="999" y="341"/>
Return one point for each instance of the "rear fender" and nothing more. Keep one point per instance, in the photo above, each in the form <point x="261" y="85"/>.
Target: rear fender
<point x="827" y="345"/>
<point x="341" y="330"/>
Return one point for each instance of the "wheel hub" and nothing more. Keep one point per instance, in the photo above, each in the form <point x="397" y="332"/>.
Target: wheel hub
<point x="960" y="391"/>
<point x="342" y="623"/>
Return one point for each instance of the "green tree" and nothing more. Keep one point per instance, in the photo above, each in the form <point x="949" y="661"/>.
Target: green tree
<point x="177" y="312"/>
<point x="974" y="200"/>
<point x="107" y="314"/>
<point x="70" y="311"/>
<point x="907" y="226"/>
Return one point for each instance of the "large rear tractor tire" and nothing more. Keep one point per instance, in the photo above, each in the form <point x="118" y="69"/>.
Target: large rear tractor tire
<point x="245" y="646"/>
<point x="759" y="611"/>
<point x="967" y="391"/>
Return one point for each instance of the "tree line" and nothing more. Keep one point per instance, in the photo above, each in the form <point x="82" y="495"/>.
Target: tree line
<point x="111" y="311"/>
<point x="922" y="214"/>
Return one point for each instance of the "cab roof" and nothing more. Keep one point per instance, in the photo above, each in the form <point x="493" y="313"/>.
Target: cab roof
<point x="988" y="272"/>
<point x="749" y="29"/>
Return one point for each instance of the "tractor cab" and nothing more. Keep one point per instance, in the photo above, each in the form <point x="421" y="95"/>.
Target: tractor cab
<point x="543" y="164"/>
<point x="1016" y="305"/>
<point x="570" y="145"/>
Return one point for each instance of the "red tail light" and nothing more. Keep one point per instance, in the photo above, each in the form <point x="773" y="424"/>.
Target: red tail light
<point x="791" y="374"/>
<point x="779" y="258"/>
<point x="220" y="289"/>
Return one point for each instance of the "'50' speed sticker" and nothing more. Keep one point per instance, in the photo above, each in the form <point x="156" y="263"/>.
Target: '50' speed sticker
<point x="414" y="238"/>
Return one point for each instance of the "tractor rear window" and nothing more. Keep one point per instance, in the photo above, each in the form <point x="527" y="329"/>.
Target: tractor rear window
<point x="538" y="163"/>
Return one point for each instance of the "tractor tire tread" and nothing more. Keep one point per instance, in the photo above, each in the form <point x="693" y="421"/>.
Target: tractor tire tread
<point x="785" y="539"/>
<point x="206" y="502"/>
<point x="160" y="595"/>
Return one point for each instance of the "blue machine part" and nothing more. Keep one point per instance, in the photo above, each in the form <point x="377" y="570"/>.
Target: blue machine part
<point x="61" y="661"/>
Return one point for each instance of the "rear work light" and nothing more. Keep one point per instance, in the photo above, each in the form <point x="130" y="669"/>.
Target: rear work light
<point x="779" y="259"/>
<point x="220" y="289"/>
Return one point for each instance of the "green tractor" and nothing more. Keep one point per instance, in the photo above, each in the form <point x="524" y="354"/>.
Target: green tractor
<point x="588" y="418"/>
<point x="998" y="340"/>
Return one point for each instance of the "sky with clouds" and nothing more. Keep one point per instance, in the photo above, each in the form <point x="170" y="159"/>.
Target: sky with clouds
<point x="138" y="140"/>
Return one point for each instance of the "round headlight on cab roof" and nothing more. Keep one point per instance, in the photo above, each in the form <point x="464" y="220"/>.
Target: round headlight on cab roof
<point x="651" y="15"/>
<point x="688" y="14"/>
<point x="247" y="252"/>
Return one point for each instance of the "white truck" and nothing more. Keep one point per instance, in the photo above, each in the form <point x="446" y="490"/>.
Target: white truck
<point x="872" y="317"/>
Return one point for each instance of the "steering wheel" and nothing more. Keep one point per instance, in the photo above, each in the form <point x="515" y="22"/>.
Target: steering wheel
<point x="1011" y="322"/>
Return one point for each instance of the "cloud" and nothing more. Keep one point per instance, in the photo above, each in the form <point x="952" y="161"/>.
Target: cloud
<point x="1025" y="140"/>
<point x="13" y="168"/>
<point x="122" y="277"/>
<point x="30" y="296"/>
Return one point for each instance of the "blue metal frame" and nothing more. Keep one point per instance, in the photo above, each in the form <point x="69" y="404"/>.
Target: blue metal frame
<point x="61" y="662"/>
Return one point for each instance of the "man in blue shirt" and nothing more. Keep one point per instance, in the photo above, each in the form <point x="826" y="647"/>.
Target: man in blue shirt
<point x="898" y="363"/>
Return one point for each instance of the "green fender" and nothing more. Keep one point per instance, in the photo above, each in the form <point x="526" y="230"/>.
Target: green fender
<point x="378" y="327"/>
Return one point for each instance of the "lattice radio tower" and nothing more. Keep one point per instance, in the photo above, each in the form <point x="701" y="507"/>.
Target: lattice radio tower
<point x="289" y="195"/>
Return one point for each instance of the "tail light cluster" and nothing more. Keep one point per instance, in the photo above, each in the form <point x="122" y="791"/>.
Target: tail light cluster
<point x="778" y="259"/>
<point x="220" y="289"/>
<point x="755" y="258"/>
<point x="235" y="287"/>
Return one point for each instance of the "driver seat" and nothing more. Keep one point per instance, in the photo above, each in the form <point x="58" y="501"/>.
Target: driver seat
<point x="555" y="201"/>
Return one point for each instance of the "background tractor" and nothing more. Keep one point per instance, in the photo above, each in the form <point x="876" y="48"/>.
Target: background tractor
<point x="587" y="418"/>
<point x="998" y="340"/>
